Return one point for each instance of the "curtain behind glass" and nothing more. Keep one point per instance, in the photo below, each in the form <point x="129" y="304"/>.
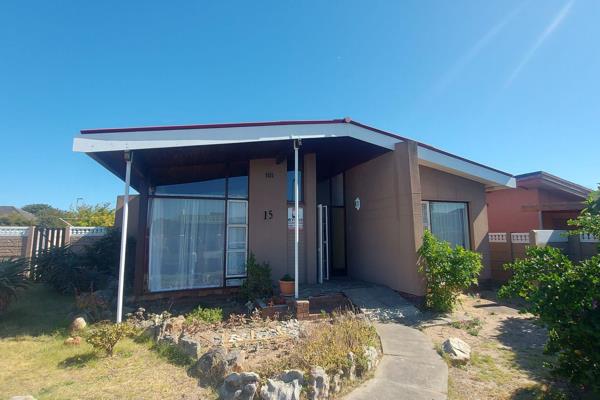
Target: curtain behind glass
<point x="449" y="222"/>
<point x="186" y="243"/>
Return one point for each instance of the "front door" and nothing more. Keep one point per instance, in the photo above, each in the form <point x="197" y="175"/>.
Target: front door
<point x="323" y="237"/>
<point x="338" y="241"/>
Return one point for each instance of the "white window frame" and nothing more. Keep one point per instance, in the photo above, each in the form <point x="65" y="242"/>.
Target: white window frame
<point x="467" y="223"/>
<point x="227" y="250"/>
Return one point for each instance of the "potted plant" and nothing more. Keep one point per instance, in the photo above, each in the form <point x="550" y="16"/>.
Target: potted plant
<point x="287" y="285"/>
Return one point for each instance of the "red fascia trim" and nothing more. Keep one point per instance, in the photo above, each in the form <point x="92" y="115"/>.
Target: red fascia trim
<point x="207" y="126"/>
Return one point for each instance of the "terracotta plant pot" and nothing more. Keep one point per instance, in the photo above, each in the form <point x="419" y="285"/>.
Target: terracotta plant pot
<point x="287" y="288"/>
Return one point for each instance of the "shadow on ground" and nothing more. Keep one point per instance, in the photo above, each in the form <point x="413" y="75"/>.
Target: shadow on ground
<point x="78" y="361"/>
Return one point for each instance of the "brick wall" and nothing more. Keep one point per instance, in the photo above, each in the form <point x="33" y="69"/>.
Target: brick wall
<point x="12" y="246"/>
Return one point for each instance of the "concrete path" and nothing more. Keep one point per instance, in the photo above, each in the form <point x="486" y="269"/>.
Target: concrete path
<point x="410" y="367"/>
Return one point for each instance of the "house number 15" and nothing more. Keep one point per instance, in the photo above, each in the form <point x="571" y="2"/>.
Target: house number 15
<point x="268" y="214"/>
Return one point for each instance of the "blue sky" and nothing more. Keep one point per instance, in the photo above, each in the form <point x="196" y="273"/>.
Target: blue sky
<point x="514" y="85"/>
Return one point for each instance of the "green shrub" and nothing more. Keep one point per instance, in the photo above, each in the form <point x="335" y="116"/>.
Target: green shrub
<point x="208" y="315"/>
<point x="258" y="284"/>
<point x="448" y="271"/>
<point x="12" y="280"/>
<point x="105" y="336"/>
<point x="287" y="278"/>
<point x="91" y="269"/>
<point x="566" y="298"/>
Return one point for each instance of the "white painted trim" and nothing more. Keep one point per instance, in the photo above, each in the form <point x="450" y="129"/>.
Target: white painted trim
<point x="519" y="237"/>
<point x="14" y="231"/>
<point x="588" y="238"/>
<point x="88" y="230"/>
<point x="497" y="237"/>
<point x="96" y="142"/>
<point x="457" y="166"/>
<point x="545" y="236"/>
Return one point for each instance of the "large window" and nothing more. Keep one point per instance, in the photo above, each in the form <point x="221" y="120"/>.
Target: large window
<point x="447" y="221"/>
<point x="198" y="239"/>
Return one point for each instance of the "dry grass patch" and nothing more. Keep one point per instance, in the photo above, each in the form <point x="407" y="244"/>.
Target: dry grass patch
<point x="41" y="365"/>
<point x="507" y="359"/>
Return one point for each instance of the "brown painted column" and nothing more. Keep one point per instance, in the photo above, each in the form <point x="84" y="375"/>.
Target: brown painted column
<point x="410" y="220"/>
<point x="310" y="218"/>
<point x="267" y="214"/>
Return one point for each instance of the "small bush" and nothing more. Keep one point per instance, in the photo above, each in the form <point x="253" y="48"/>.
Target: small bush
<point x="208" y="315"/>
<point x="258" y="284"/>
<point x="105" y="336"/>
<point x="448" y="271"/>
<point x="12" y="280"/>
<point x="566" y="298"/>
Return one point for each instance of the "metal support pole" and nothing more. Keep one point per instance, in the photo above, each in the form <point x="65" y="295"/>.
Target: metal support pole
<point x="125" y="217"/>
<point x="297" y="221"/>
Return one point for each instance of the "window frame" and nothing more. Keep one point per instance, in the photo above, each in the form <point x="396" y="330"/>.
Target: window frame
<point x="226" y="199"/>
<point x="227" y="250"/>
<point x="466" y="222"/>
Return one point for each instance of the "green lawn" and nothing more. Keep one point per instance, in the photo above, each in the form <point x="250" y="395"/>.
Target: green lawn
<point x="35" y="361"/>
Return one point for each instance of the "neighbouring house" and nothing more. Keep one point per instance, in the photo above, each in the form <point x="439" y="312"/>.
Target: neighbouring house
<point x="210" y="194"/>
<point x="10" y="215"/>
<point x="540" y="201"/>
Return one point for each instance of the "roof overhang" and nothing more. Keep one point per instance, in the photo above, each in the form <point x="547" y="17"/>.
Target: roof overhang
<point x="98" y="141"/>
<point x="544" y="180"/>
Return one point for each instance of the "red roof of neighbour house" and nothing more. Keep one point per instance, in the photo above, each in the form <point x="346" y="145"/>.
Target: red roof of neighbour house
<point x="277" y="123"/>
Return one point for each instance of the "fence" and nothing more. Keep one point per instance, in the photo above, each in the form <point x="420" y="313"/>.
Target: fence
<point x="505" y="247"/>
<point x="26" y="241"/>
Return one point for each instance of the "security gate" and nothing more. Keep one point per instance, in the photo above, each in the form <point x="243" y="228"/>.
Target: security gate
<point x="323" y="250"/>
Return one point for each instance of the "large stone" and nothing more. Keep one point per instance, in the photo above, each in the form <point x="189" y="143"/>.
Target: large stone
<point x="212" y="367"/>
<point x="351" y="372"/>
<point x="190" y="346"/>
<point x="336" y="382"/>
<point x="239" y="386"/>
<point x="457" y="350"/>
<point x="318" y="382"/>
<point x="235" y="360"/>
<point x="279" y="390"/>
<point x="372" y="356"/>
<point x="78" y="324"/>
<point x="291" y="375"/>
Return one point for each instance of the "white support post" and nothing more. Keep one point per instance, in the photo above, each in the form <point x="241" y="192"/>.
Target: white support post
<point x="320" y="231"/>
<point x="125" y="217"/>
<point x="297" y="219"/>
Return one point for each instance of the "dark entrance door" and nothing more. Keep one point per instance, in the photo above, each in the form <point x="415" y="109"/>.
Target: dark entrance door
<point x="338" y="241"/>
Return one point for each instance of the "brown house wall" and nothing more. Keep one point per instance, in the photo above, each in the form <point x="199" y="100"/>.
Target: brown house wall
<point x="383" y="235"/>
<point x="441" y="186"/>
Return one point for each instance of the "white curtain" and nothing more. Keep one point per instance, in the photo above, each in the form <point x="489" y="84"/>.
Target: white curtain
<point x="186" y="243"/>
<point x="449" y="222"/>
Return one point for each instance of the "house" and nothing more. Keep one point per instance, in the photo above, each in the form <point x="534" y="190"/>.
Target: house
<point x="210" y="194"/>
<point x="540" y="201"/>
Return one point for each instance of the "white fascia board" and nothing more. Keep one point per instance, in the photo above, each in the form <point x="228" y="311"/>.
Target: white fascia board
<point x="457" y="166"/>
<point x="116" y="141"/>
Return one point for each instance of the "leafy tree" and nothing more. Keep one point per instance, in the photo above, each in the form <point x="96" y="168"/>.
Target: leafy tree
<point x="588" y="220"/>
<point x="46" y="215"/>
<point x="92" y="215"/>
<point x="448" y="271"/>
<point x="565" y="297"/>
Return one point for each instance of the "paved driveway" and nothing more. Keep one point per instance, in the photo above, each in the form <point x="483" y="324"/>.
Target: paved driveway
<point x="410" y="367"/>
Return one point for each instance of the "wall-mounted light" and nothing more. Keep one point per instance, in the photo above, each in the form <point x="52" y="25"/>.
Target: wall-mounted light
<point x="357" y="203"/>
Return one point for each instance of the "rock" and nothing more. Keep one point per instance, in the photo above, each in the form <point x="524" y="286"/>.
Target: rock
<point x="336" y="382"/>
<point x="78" y="324"/>
<point x="190" y="346"/>
<point x="25" y="397"/>
<point x="279" y="390"/>
<point x="170" y="330"/>
<point x="351" y="373"/>
<point x="291" y="375"/>
<point x="239" y="386"/>
<point x="73" y="341"/>
<point x="212" y="366"/>
<point x="318" y="382"/>
<point x="372" y="356"/>
<point x="235" y="360"/>
<point x="457" y="350"/>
